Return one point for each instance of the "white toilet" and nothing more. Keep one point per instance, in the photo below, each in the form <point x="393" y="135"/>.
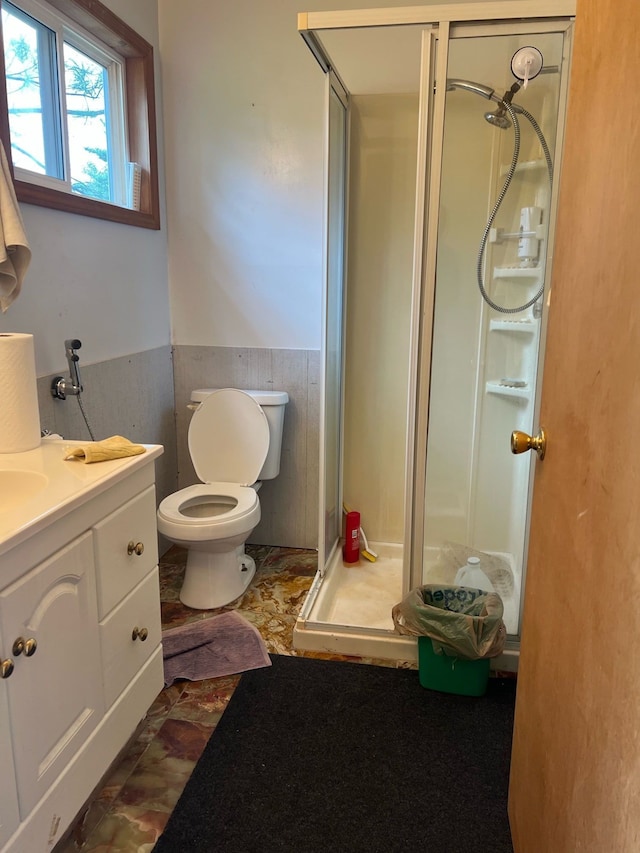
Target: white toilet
<point x="235" y="440"/>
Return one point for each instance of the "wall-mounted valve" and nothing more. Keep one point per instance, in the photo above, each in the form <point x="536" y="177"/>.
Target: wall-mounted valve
<point x="61" y="386"/>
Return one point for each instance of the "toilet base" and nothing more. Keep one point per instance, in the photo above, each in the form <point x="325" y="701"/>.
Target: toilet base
<point x="213" y="580"/>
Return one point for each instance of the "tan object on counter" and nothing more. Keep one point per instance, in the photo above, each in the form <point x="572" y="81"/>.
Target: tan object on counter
<point x="115" y="447"/>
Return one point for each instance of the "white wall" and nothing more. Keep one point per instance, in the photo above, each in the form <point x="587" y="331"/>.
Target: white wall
<point x="243" y="124"/>
<point x="244" y="107"/>
<point x="99" y="281"/>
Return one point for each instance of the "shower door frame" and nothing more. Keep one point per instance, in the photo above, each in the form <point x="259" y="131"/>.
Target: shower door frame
<point x="328" y="543"/>
<point x="441" y="23"/>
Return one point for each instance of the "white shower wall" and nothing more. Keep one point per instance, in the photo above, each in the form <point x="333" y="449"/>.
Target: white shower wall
<point x="378" y="309"/>
<point x="466" y="180"/>
<point x="500" y="492"/>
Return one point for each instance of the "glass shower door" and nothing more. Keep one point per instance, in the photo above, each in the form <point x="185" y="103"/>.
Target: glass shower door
<point x="368" y="334"/>
<point x="483" y="361"/>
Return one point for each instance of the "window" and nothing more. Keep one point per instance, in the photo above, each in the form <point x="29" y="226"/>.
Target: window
<point x="77" y="112"/>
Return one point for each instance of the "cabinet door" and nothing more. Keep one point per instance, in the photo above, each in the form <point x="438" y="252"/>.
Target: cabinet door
<point x="55" y="696"/>
<point x="9" y="817"/>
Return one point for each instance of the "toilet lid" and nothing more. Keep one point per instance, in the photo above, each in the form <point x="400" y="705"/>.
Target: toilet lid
<point x="228" y="438"/>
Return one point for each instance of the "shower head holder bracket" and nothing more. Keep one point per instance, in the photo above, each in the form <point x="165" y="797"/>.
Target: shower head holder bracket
<point x="526" y="63"/>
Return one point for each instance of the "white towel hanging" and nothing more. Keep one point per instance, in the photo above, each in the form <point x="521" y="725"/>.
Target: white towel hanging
<point x="15" y="253"/>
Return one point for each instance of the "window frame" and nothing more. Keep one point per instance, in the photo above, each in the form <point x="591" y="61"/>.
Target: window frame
<point x="139" y="90"/>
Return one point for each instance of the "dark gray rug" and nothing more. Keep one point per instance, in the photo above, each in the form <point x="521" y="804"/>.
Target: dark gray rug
<point x="320" y="756"/>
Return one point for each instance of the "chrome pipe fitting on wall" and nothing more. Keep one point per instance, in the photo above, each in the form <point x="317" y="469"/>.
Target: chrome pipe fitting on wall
<point x="62" y="387"/>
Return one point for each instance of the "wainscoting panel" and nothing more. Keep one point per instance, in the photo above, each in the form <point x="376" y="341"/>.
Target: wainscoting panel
<point x="130" y="396"/>
<point x="290" y="502"/>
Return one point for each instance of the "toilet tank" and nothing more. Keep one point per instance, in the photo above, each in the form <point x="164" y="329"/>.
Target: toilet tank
<point x="272" y="404"/>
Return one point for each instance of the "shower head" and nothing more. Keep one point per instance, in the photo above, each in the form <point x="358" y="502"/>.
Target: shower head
<point x="498" y="119"/>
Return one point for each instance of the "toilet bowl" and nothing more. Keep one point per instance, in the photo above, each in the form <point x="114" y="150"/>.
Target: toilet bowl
<point x="229" y="441"/>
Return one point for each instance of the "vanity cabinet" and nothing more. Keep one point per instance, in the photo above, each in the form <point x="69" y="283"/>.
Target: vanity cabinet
<point x="80" y="622"/>
<point x="55" y="691"/>
<point x="128" y="600"/>
<point x="9" y="816"/>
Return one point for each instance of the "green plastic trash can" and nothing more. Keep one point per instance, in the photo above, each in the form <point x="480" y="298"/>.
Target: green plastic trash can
<point x="451" y="674"/>
<point x="458" y="629"/>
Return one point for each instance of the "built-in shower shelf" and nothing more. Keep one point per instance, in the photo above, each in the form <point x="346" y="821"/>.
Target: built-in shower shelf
<point x="517" y="272"/>
<point x="526" y="166"/>
<point x="527" y="327"/>
<point x="521" y="392"/>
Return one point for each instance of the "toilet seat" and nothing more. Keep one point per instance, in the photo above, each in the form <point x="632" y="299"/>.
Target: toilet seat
<point x="239" y="516"/>
<point x="244" y="496"/>
<point x="228" y="443"/>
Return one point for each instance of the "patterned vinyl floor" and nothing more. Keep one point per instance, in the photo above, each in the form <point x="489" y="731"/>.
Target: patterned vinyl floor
<point x="131" y="808"/>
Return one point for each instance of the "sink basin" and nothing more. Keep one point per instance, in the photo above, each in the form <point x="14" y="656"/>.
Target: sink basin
<point x="17" y="487"/>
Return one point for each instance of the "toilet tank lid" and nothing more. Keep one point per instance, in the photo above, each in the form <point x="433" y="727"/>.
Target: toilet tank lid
<point x="262" y="398"/>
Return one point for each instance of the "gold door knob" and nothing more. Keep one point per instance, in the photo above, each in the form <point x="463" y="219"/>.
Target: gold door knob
<point x="139" y="634"/>
<point x="21" y="645"/>
<point x="6" y="668"/>
<point x="135" y="548"/>
<point x="521" y="442"/>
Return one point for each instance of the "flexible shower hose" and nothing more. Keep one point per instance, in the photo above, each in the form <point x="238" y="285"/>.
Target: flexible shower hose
<point x="500" y="199"/>
<point x="84" y="415"/>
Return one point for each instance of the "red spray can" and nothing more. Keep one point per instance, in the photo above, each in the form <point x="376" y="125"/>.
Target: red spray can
<point x="351" y="550"/>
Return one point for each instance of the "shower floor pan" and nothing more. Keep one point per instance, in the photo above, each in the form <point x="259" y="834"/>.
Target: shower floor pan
<point x="349" y="610"/>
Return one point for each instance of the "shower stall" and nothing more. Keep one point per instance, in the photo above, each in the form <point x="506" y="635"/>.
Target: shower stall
<point x="444" y="129"/>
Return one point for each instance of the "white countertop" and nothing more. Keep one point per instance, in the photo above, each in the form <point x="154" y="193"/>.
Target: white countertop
<point x="42" y="486"/>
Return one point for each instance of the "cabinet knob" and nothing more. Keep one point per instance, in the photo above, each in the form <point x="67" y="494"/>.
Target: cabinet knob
<point x="21" y="645"/>
<point x="135" y="548"/>
<point x="139" y="634"/>
<point x="6" y="668"/>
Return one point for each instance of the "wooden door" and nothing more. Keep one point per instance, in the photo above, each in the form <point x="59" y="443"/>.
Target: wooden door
<point x="575" y="775"/>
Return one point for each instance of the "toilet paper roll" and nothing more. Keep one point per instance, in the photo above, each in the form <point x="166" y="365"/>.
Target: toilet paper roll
<point x="19" y="414"/>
